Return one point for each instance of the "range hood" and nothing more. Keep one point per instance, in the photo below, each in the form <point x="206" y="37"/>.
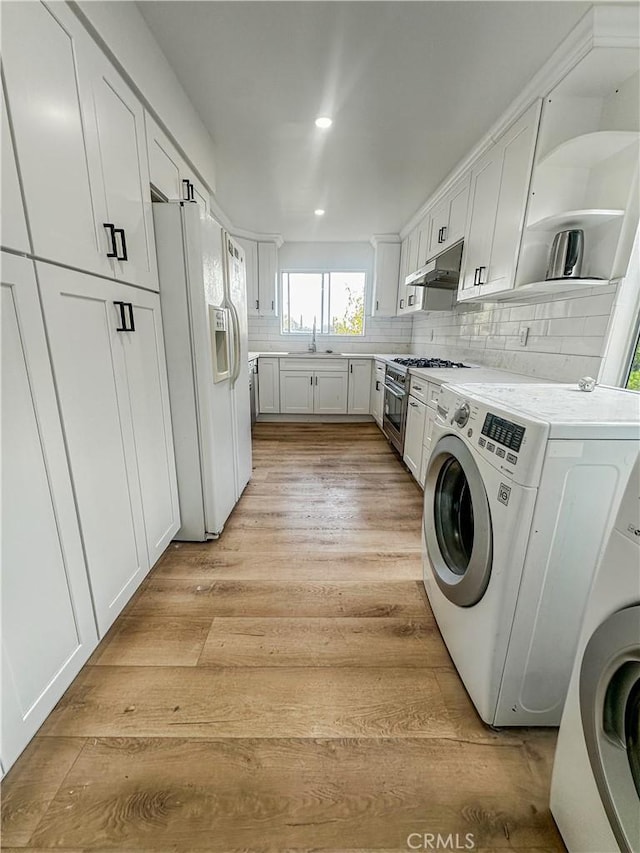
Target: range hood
<point x="443" y="271"/>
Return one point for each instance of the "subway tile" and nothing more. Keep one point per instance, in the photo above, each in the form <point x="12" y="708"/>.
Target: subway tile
<point x="566" y="327"/>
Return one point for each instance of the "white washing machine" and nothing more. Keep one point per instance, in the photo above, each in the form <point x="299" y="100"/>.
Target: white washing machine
<point x="522" y="489"/>
<point x="595" y="789"/>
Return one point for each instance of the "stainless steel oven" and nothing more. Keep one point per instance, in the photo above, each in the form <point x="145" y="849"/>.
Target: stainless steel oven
<point x="395" y="406"/>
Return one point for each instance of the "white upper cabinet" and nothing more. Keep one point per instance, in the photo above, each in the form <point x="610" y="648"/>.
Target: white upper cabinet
<point x="65" y="202"/>
<point x="497" y="203"/>
<point x="267" y="279"/>
<point x="407" y="296"/>
<point x="171" y="177"/>
<point x="116" y="142"/>
<point x="48" y="626"/>
<point x="80" y="145"/>
<point x="251" y="267"/>
<point x="13" y="233"/>
<point x="385" y="280"/>
<point x="359" y="402"/>
<point x="448" y="219"/>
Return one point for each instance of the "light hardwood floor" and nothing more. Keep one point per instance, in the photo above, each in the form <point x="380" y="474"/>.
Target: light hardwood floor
<point x="284" y="688"/>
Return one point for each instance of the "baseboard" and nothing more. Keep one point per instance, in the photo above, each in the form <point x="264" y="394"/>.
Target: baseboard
<point x="317" y="419"/>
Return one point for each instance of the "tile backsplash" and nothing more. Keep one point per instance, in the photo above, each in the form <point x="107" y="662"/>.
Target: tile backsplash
<point x="566" y="336"/>
<point x="381" y="335"/>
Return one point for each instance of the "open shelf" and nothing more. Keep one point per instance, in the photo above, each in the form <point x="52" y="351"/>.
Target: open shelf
<point x="552" y="287"/>
<point x="585" y="151"/>
<point x="575" y="219"/>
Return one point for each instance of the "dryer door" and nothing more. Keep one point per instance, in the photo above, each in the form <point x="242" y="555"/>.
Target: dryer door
<point x="610" y="710"/>
<point x="457" y="522"/>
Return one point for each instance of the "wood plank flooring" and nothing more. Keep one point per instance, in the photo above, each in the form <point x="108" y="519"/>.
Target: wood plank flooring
<point x="283" y="689"/>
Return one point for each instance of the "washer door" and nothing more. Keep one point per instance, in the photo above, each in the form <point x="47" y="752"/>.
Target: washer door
<point x="610" y="710"/>
<point x="457" y="523"/>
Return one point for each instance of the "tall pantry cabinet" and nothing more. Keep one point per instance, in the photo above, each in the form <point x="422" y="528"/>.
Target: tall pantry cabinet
<point x="89" y="483"/>
<point x="48" y="628"/>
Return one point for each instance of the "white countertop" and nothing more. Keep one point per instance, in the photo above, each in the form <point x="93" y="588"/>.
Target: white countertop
<point x="571" y="413"/>
<point x="438" y="375"/>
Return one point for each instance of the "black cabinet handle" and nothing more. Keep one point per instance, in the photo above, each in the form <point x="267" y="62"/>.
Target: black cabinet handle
<point x="188" y="192"/>
<point x="442" y="234"/>
<point x="350" y="368"/>
<point x="123" y="241"/>
<point x="312" y="380"/>
<point x="112" y="234"/>
<point x="475" y="276"/>
<point x="480" y="274"/>
<point x="125" y="308"/>
<point x="257" y="304"/>
<point x="401" y="304"/>
<point x="377" y="385"/>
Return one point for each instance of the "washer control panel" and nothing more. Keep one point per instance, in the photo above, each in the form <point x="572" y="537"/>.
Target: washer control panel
<point x="503" y="432"/>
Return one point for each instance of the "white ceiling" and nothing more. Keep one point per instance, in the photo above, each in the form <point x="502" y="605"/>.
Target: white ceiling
<point x="411" y="87"/>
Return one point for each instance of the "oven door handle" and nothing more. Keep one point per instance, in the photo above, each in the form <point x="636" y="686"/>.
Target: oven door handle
<point x="395" y="393"/>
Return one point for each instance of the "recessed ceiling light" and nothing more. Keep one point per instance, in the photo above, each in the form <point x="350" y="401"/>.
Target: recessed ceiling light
<point x="324" y="122"/>
<point x="319" y="211"/>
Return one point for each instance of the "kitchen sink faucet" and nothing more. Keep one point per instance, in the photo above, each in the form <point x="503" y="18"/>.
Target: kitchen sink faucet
<point x="312" y="346"/>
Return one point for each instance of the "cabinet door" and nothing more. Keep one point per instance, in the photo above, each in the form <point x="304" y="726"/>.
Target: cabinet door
<point x="251" y="266"/>
<point x="269" y="386"/>
<point x="91" y="378"/>
<point x="423" y="241"/>
<point x="330" y="389"/>
<point x="48" y="627"/>
<point x="483" y="203"/>
<point x="267" y="279"/>
<point x="414" y="434"/>
<point x="39" y="58"/>
<point x="457" y="213"/>
<point x="516" y="152"/>
<point x="14" y="223"/>
<point x="377" y="392"/>
<point x="359" y="386"/>
<point x="385" y="286"/>
<point x="116" y="143"/>
<point x="296" y="392"/>
<point x="406" y="295"/>
<point x="150" y="415"/>
<point x="166" y="166"/>
<point x="438" y="221"/>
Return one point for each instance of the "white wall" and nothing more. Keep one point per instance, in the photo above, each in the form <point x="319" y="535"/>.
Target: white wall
<point x="566" y="336"/>
<point x="381" y="334"/>
<point x="126" y="36"/>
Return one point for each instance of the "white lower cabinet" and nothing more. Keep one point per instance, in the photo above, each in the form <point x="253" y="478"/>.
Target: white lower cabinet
<point x="414" y="435"/>
<point x="296" y="392"/>
<point x="359" y="402"/>
<point x="330" y="389"/>
<point x="48" y="626"/>
<point x="269" y="386"/>
<point x="377" y="392"/>
<point x="108" y="361"/>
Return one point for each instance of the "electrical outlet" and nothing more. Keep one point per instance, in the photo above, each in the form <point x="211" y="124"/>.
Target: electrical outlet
<point x="524" y="335"/>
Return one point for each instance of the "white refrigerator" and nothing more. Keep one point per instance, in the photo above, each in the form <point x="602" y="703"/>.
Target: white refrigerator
<point x="204" y="310"/>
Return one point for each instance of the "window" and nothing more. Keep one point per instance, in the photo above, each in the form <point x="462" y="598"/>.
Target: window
<point x="332" y="301"/>
<point x="633" y="380"/>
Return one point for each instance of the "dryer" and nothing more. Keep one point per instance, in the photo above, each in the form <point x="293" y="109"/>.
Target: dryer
<point x="522" y="488"/>
<point x="595" y="787"/>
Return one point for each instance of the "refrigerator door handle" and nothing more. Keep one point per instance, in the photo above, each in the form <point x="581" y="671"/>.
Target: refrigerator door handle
<point x="235" y="371"/>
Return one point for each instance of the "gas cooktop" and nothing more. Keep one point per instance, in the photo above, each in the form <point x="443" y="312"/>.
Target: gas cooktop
<point x="428" y="362"/>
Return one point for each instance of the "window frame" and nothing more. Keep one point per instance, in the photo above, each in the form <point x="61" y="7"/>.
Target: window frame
<point x="325" y="291"/>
